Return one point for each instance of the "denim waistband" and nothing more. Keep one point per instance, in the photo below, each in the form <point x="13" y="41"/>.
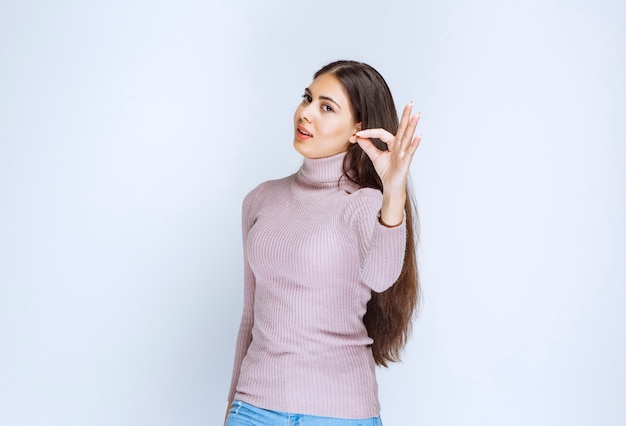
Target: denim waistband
<point x="244" y="414"/>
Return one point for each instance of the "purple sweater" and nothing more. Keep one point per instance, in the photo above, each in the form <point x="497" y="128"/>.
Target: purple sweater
<point x="313" y="252"/>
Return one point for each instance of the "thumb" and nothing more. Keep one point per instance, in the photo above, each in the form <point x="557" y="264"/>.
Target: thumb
<point x="370" y="149"/>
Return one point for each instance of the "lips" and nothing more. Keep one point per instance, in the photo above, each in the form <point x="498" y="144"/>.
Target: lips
<point x="303" y="132"/>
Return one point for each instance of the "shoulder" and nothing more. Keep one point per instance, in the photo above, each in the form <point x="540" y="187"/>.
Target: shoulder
<point x="363" y="202"/>
<point x="365" y="197"/>
<point x="263" y="190"/>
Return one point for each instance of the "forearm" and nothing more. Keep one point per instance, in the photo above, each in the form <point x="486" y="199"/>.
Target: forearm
<point x="392" y="209"/>
<point x="381" y="248"/>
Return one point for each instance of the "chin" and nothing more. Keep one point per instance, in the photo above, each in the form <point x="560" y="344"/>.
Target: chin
<point x="301" y="147"/>
<point x="308" y="150"/>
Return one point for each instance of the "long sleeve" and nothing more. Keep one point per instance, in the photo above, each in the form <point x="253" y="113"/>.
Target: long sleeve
<point x="244" y="338"/>
<point x="381" y="249"/>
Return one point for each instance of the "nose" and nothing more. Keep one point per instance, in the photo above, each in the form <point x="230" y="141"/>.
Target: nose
<point x="306" y="112"/>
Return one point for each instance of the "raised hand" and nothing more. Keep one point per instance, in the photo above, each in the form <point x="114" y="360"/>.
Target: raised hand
<point x="394" y="164"/>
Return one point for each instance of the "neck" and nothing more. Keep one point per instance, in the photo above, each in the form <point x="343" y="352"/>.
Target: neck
<point x="322" y="170"/>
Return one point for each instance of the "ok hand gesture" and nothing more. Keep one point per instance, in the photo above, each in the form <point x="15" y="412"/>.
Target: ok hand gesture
<point x="393" y="165"/>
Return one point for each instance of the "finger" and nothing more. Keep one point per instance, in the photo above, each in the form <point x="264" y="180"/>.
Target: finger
<point x="409" y="132"/>
<point x="370" y="149"/>
<point x="404" y="120"/>
<point x="381" y="134"/>
<point x="405" y="158"/>
<point x="415" y="143"/>
<point x="408" y="138"/>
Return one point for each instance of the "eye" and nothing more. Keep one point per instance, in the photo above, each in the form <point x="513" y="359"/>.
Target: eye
<point x="306" y="99"/>
<point x="327" y="108"/>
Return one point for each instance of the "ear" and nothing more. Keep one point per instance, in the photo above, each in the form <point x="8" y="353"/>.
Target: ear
<point x="357" y="128"/>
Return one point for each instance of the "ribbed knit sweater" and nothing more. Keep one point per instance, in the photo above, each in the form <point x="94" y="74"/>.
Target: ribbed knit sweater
<point x="313" y="252"/>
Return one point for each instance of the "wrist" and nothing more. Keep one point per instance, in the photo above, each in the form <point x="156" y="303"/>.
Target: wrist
<point x="388" y="225"/>
<point x="392" y="211"/>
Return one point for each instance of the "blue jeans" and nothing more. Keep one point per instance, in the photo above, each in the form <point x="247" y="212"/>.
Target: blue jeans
<point x="243" y="414"/>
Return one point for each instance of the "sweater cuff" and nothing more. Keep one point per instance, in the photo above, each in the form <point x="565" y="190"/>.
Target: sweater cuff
<point x="380" y="221"/>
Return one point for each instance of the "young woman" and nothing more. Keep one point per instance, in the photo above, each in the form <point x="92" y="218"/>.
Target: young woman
<point x="330" y="275"/>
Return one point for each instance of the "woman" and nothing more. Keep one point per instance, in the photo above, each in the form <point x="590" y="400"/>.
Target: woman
<point x="330" y="276"/>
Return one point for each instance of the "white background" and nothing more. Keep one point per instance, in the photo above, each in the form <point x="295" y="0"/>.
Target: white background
<point x="130" y="131"/>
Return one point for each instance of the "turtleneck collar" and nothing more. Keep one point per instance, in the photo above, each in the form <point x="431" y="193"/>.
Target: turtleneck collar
<point x="322" y="170"/>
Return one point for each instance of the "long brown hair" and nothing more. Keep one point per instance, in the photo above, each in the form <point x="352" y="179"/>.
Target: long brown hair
<point x="389" y="314"/>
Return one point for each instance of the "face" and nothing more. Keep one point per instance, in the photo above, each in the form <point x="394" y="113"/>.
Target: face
<point x="323" y="122"/>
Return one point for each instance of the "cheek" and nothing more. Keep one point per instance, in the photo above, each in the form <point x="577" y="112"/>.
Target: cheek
<point x="340" y="129"/>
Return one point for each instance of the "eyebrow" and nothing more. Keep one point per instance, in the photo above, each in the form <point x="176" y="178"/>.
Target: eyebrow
<point x="326" y="98"/>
